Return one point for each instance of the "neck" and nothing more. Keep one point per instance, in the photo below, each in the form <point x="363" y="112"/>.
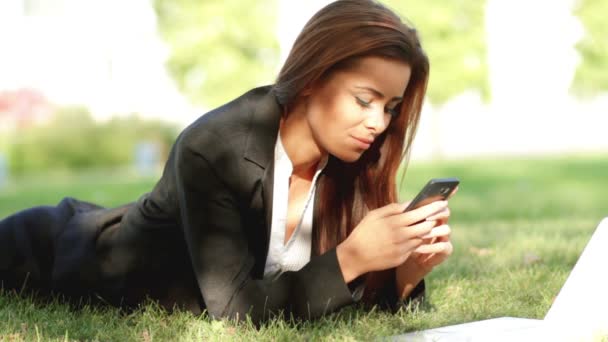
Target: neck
<point x="299" y="144"/>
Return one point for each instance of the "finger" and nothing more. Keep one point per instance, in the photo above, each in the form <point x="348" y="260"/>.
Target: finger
<point x="389" y="209"/>
<point x="439" y="231"/>
<point x="442" y="215"/>
<point x="444" y="238"/>
<point x="419" y="214"/>
<point x="444" y="248"/>
<point x="416" y="231"/>
<point x="437" y="248"/>
<point x="428" y="241"/>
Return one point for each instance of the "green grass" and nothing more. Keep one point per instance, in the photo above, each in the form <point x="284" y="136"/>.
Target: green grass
<point x="518" y="226"/>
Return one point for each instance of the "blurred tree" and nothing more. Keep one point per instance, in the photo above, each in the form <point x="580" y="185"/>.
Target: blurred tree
<point x="591" y="77"/>
<point x="222" y="48"/>
<point x="72" y="140"/>
<point x="219" y="49"/>
<point x="453" y="36"/>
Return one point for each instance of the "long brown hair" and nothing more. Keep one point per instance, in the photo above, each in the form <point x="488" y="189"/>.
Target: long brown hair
<point x="334" y="38"/>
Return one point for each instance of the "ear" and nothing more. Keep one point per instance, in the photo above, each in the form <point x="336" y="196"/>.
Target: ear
<point x="307" y="91"/>
<point x="310" y="88"/>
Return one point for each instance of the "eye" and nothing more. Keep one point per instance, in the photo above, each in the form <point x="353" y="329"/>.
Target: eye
<point x="394" y="112"/>
<point x="362" y="102"/>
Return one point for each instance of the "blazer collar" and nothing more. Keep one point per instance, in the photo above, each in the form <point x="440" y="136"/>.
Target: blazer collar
<point x="259" y="149"/>
<point x="263" y="128"/>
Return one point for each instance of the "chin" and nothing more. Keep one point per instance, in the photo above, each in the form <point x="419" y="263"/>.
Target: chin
<point x="349" y="157"/>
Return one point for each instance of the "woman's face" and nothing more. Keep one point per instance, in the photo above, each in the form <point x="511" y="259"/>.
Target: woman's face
<point x="350" y="108"/>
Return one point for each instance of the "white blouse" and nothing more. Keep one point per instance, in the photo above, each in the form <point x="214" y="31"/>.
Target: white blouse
<point x="294" y="254"/>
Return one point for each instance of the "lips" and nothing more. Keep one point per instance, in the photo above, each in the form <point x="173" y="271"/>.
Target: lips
<point x="365" y="141"/>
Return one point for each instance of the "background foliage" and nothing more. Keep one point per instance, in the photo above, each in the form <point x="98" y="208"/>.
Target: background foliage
<point x="592" y="77"/>
<point x="73" y="140"/>
<point x="219" y="49"/>
<point x="452" y="33"/>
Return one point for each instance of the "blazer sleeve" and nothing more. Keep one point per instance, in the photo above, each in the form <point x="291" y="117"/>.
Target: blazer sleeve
<point x="222" y="263"/>
<point x="385" y="297"/>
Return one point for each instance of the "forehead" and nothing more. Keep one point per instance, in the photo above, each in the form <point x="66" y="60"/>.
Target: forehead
<point x="389" y="76"/>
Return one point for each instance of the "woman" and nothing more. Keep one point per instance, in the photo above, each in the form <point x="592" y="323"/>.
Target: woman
<point x="283" y="200"/>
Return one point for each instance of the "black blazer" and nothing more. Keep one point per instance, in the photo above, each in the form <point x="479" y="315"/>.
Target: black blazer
<point x="199" y="238"/>
<point x="217" y="186"/>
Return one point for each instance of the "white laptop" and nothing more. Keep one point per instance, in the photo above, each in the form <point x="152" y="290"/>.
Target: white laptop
<point x="579" y="313"/>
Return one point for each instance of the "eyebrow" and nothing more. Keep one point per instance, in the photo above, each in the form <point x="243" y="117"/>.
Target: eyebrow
<point x="378" y="93"/>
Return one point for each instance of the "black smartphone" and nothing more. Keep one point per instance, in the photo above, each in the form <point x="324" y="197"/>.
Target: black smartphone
<point x="437" y="189"/>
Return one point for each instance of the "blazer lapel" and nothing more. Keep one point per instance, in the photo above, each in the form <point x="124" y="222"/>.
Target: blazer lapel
<point x="262" y="136"/>
<point x="267" y="191"/>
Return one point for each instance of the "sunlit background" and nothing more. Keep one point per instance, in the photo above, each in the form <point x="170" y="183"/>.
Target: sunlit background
<point x="89" y="84"/>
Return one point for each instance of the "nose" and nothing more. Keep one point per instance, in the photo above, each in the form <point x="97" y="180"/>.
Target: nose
<point x="376" y="121"/>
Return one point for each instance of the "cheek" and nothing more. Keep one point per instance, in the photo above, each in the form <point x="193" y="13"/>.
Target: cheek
<point x="332" y="119"/>
<point x="338" y="112"/>
<point x="325" y="116"/>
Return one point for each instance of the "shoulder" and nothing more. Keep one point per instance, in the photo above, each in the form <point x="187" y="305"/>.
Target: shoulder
<point x="229" y="120"/>
<point x="223" y="129"/>
<point x="221" y="140"/>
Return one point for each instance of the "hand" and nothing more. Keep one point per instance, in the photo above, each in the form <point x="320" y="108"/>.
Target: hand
<point x="436" y="248"/>
<point x="385" y="238"/>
